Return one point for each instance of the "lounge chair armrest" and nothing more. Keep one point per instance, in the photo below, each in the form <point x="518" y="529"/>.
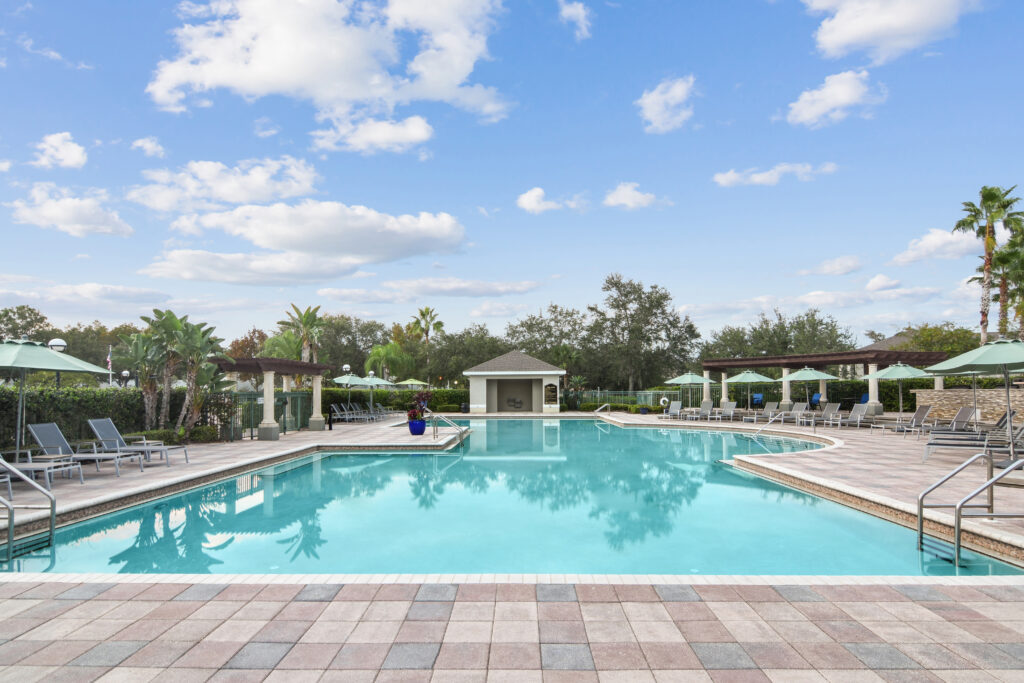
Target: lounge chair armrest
<point x="92" y="445"/>
<point x="143" y="440"/>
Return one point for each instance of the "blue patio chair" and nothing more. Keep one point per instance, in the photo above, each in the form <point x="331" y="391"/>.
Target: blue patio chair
<point x="815" y="400"/>
<point x="863" y="398"/>
<point x="757" y="400"/>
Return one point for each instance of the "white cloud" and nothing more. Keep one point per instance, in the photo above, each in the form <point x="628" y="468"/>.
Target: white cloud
<point x="628" y="197"/>
<point x="308" y="241"/>
<point x="351" y="60"/>
<point x="828" y="299"/>
<point x="5" y="165"/>
<point x="84" y="294"/>
<point x="534" y="201"/>
<point x="150" y="146"/>
<point x="28" y="45"/>
<point x="58" y="149"/>
<point x="404" y="291"/>
<point x="880" y="282"/>
<point x="371" y="136"/>
<point x="939" y="244"/>
<point x="841" y="265"/>
<point x="832" y="101"/>
<point x="497" y="309"/>
<point x="263" y="127"/>
<point x="210" y="184"/>
<point x="665" y="108"/>
<point x="50" y="206"/>
<point x="884" y="29"/>
<point x="772" y="176"/>
<point x="577" y="14"/>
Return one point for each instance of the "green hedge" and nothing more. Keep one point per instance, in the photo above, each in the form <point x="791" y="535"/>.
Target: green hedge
<point x="200" y="434"/>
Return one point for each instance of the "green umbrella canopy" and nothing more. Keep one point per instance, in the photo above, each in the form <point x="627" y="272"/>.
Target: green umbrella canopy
<point x="805" y="375"/>
<point x="377" y="382"/>
<point x="690" y="378"/>
<point x="21" y="354"/>
<point x="897" y="371"/>
<point x="749" y="377"/>
<point x="999" y="355"/>
<point x="351" y="380"/>
<point x="412" y="383"/>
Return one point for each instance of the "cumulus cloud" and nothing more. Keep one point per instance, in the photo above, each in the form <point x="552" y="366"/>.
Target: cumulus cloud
<point x="577" y="14"/>
<point x="840" y="265"/>
<point x="211" y="184"/>
<point x="833" y="100"/>
<point x="59" y="149"/>
<point x="350" y="60"/>
<point x="666" y="107"/>
<point x="534" y="201"/>
<point x="884" y="29"/>
<point x="83" y="294"/>
<point x="49" y="206"/>
<point x="150" y="146"/>
<point x="497" y="309"/>
<point x="880" y="282"/>
<point x="295" y="243"/>
<point x="938" y="244"/>
<point x="818" y="299"/>
<point x="772" y="176"/>
<point x="403" y="291"/>
<point x="627" y="196"/>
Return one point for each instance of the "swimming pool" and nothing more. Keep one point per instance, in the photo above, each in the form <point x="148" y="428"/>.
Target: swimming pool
<point x="526" y="496"/>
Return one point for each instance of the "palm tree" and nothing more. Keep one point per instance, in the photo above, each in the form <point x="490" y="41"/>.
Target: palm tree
<point x="195" y="344"/>
<point x="389" y="359"/>
<point x="164" y="326"/>
<point x="285" y="345"/>
<point x="307" y="326"/>
<point x="138" y="351"/>
<point x="995" y="205"/>
<point x="425" y="322"/>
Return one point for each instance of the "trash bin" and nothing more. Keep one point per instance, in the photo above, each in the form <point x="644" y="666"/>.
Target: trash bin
<point x="464" y="407"/>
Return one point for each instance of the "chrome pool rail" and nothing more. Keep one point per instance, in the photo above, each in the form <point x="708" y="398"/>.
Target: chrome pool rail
<point x="11" y="507"/>
<point x="779" y="415"/>
<point x="435" y="418"/>
<point x="606" y="405"/>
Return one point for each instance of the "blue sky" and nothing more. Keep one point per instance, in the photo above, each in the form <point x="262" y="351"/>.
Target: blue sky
<point x="227" y="158"/>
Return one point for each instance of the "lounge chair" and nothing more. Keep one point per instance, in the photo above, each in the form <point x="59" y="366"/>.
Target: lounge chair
<point x="6" y="480"/>
<point x="47" y="467"/>
<point x="795" y="413"/>
<point x="343" y="414"/>
<point x="703" y="413"/>
<point x="960" y="424"/>
<point x="994" y="442"/>
<point x="917" y="423"/>
<point x="728" y="410"/>
<point x="858" y="416"/>
<point x="673" y="410"/>
<point x="109" y="436"/>
<point x="53" y="443"/>
<point x="771" y="409"/>
<point x="812" y="418"/>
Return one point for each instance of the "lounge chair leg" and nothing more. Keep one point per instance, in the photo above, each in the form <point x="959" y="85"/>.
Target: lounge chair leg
<point x="185" y="451"/>
<point x="117" y="467"/>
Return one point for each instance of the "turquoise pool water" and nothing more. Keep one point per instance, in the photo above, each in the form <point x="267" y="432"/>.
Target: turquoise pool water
<point x="527" y="496"/>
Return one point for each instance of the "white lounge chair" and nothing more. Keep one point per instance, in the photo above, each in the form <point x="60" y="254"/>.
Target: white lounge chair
<point x="728" y="410"/>
<point x="53" y="443"/>
<point x="770" y="410"/>
<point x="109" y="436"/>
<point x="673" y="411"/>
<point x="703" y="413"/>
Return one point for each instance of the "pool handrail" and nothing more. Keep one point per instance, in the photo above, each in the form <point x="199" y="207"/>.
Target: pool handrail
<point x="606" y="405"/>
<point x="11" y="507"/>
<point x="434" y="418"/>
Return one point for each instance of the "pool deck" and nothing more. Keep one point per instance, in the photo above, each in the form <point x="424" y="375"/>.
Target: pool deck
<point x="525" y="627"/>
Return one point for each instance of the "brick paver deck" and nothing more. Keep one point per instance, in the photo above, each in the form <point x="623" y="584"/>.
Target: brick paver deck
<point x="509" y="632"/>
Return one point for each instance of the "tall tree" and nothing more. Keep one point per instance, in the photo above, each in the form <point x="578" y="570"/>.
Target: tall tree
<point x="388" y="360"/>
<point x="22" y="321"/>
<point x="425" y="323"/>
<point x="285" y="345"/>
<point x="249" y="345"/>
<point x="307" y="326"/>
<point x="458" y="351"/>
<point x="995" y="205"/>
<point x="347" y="340"/>
<point x="165" y="326"/>
<point x="194" y="345"/>
<point x="138" y="352"/>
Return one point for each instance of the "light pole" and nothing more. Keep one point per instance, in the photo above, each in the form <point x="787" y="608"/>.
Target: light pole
<point x="124" y="378"/>
<point x="59" y="345"/>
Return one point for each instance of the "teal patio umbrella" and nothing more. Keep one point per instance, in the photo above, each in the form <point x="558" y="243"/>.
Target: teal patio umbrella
<point x="749" y="377"/>
<point x="21" y="356"/>
<point x="350" y="381"/>
<point x="374" y="382"/>
<point x="807" y="375"/>
<point x="411" y="383"/>
<point x="689" y="379"/>
<point x="1002" y="356"/>
<point x="900" y="372"/>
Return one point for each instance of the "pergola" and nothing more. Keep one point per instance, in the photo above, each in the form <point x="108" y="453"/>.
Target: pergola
<point x="268" y="429"/>
<point x="871" y="356"/>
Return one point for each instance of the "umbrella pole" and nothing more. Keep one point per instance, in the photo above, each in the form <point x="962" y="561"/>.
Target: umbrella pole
<point x="974" y="385"/>
<point x="900" y="383"/>
<point x="20" y="421"/>
<point x="1009" y="420"/>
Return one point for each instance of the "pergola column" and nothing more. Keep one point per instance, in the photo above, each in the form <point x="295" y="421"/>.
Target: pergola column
<point x="822" y="386"/>
<point x="939" y="383"/>
<point x="787" y="400"/>
<point x="316" y="419"/>
<point x="874" y="405"/>
<point x="268" y="430"/>
<point x="706" y="395"/>
<point x="725" y="389"/>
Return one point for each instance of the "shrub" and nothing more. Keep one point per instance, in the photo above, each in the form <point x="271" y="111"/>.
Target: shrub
<point x="448" y="408"/>
<point x="640" y="406"/>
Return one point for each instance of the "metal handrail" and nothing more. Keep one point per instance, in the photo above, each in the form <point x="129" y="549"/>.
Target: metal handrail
<point x="434" y="420"/>
<point x="11" y="507"/>
<point x="920" y="499"/>
<point x="780" y="415"/>
<point x="606" y="405"/>
<point x="987" y="486"/>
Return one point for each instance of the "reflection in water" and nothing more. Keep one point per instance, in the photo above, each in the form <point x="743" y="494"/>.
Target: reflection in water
<point x="527" y="495"/>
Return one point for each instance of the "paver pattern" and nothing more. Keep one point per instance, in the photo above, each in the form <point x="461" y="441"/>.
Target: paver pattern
<point x="509" y="632"/>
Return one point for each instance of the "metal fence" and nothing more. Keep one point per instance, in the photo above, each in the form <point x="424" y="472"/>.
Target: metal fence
<point x="292" y="411"/>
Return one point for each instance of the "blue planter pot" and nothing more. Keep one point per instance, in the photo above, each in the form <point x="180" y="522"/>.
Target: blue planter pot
<point x="417" y="427"/>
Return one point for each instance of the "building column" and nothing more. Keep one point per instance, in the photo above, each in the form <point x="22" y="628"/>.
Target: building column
<point x="822" y="388"/>
<point x="268" y="430"/>
<point x="725" y="390"/>
<point x="316" y="418"/>
<point x="874" y="405"/>
<point x="787" y="401"/>
<point x="706" y="395"/>
<point x="939" y="383"/>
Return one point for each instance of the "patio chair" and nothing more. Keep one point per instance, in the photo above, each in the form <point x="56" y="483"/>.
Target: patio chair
<point x="53" y="443"/>
<point x="795" y="413"/>
<point x="916" y="424"/>
<point x="858" y="416"/>
<point x="812" y="418"/>
<point x="757" y="400"/>
<point x="815" y="400"/>
<point x="109" y="436"/>
<point x="770" y="410"/>
<point x="703" y="413"/>
<point x="994" y="442"/>
<point x="960" y="424"/>
<point x="47" y="468"/>
<point x="728" y="410"/>
<point x="673" y="410"/>
<point x="6" y="480"/>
